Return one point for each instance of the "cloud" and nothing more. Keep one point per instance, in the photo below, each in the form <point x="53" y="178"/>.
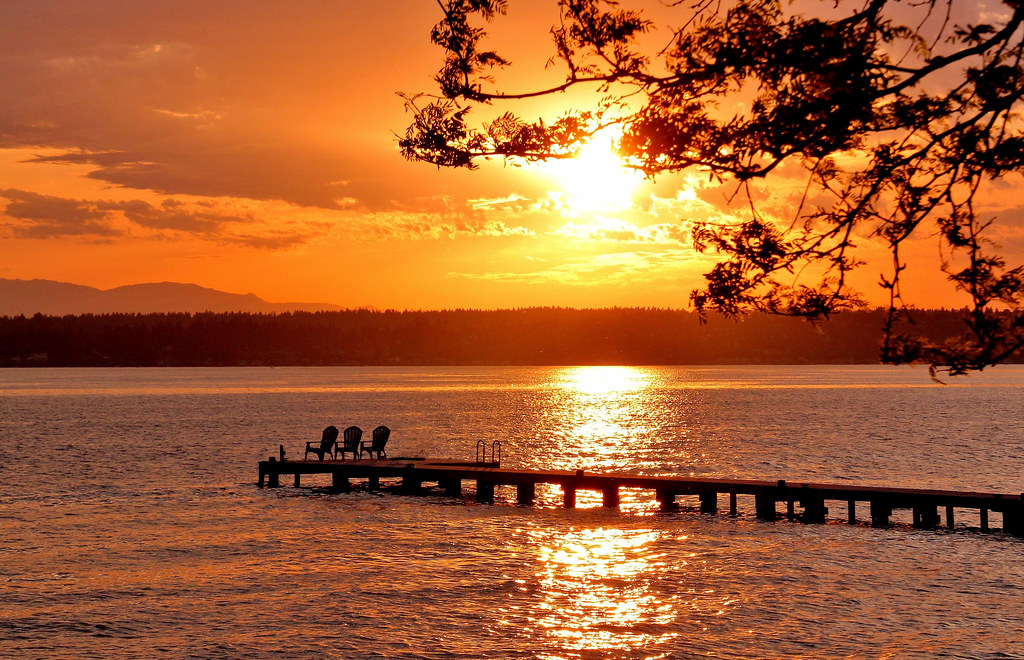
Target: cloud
<point x="431" y="226"/>
<point x="620" y="231"/>
<point x="218" y="168"/>
<point x="32" y="215"/>
<point x="277" y="100"/>
<point x="513" y="201"/>
<point x="237" y="222"/>
<point x="169" y="215"/>
<point x="668" y="268"/>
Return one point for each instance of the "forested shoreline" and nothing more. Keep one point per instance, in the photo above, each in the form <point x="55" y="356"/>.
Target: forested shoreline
<point x="533" y="336"/>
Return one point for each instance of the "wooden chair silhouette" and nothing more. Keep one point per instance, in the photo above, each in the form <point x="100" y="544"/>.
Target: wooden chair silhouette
<point x="350" y="441"/>
<point x="377" y="441"/>
<point x="326" y="445"/>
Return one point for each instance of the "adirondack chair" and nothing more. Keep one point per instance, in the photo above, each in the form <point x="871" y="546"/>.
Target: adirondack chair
<point x="326" y="445"/>
<point x="350" y="442"/>
<point x="376" y="444"/>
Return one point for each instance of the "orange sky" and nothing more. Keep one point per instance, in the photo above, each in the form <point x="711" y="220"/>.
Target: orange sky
<point x="250" y="147"/>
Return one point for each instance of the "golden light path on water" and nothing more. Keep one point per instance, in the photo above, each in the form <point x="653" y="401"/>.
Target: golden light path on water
<point x="605" y="418"/>
<point x="596" y="591"/>
<point x="596" y="582"/>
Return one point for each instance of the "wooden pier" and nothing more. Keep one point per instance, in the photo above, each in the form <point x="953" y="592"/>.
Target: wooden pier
<point x="811" y="498"/>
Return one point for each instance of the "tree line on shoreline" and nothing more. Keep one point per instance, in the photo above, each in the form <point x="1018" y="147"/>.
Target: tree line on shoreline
<point x="531" y="336"/>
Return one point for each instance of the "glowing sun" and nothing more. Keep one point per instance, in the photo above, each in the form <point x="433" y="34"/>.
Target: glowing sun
<point x="596" y="179"/>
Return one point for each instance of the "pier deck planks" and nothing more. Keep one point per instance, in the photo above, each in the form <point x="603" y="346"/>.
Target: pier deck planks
<point x="812" y="497"/>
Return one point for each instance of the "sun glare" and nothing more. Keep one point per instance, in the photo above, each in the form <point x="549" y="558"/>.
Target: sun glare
<point x="596" y="179"/>
<point x="607" y="380"/>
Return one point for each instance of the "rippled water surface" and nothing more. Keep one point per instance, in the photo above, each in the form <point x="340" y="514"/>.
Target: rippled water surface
<point x="132" y="526"/>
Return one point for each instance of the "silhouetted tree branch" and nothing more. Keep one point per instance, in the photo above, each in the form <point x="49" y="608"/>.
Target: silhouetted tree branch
<point x="896" y="113"/>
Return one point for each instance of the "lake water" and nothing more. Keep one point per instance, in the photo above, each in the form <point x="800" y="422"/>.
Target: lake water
<point x="132" y="526"/>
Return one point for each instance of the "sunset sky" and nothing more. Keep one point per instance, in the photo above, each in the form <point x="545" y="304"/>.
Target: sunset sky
<point x="252" y="147"/>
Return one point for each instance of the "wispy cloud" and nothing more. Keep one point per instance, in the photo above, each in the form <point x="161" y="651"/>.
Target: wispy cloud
<point x="513" y="201"/>
<point x="431" y="226"/>
<point x="621" y="231"/>
<point x="628" y="268"/>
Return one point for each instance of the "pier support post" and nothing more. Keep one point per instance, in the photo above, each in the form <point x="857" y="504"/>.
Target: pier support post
<point x="451" y="487"/>
<point x="610" y="497"/>
<point x="1013" y="519"/>
<point x="709" y="502"/>
<point x="764" y="504"/>
<point x="374" y="482"/>
<point x="297" y="480"/>
<point x="569" y="496"/>
<point x="411" y="483"/>
<point x="667" y="500"/>
<point x="732" y="505"/>
<point x="526" y="493"/>
<point x="984" y="519"/>
<point x="880" y="512"/>
<point x="851" y="512"/>
<point x="339" y="482"/>
<point x="926" y="517"/>
<point x="485" y="491"/>
<point x="790" y="510"/>
<point x="273" y="476"/>
<point x="949" y="518"/>
<point x="815" y="510"/>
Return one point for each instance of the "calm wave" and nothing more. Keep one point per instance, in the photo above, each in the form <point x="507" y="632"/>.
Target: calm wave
<point x="132" y="526"/>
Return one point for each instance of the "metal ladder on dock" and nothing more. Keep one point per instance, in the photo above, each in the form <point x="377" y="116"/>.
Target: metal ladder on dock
<point x="481" y="452"/>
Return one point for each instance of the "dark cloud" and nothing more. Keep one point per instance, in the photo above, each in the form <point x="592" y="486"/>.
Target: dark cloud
<point x="31" y="215"/>
<point x="264" y="173"/>
<point x="277" y="241"/>
<point x="45" y="216"/>
<point x="169" y="215"/>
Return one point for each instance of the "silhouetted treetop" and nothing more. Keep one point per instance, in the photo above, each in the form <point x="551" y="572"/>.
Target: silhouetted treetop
<point x="896" y="111"/>
<point x="535" y="336"/>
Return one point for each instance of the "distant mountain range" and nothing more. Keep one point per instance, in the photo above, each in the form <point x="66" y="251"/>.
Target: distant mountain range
<point x="28" y="297"/>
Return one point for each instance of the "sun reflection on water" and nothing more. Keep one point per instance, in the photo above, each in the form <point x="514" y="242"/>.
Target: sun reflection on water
<point x="597" y="590"/>
<point x="600" y="418"/>
<point x="607" y="381"/>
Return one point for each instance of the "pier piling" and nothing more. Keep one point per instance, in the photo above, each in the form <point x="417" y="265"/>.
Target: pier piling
<point x="764" y="506"/>
<point x="411" y="482"/>
<point x="926" y="517"/>
<point x="485" y="491"/>
<point x="815" y="510"/>
<point x="880" y="512"/>
<point x="610" y="497"/>
<point x="451" y="487"/>
<point x="568" y="496"/>
<point x="666" y="499"/>
<point x="526" y="493"/>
